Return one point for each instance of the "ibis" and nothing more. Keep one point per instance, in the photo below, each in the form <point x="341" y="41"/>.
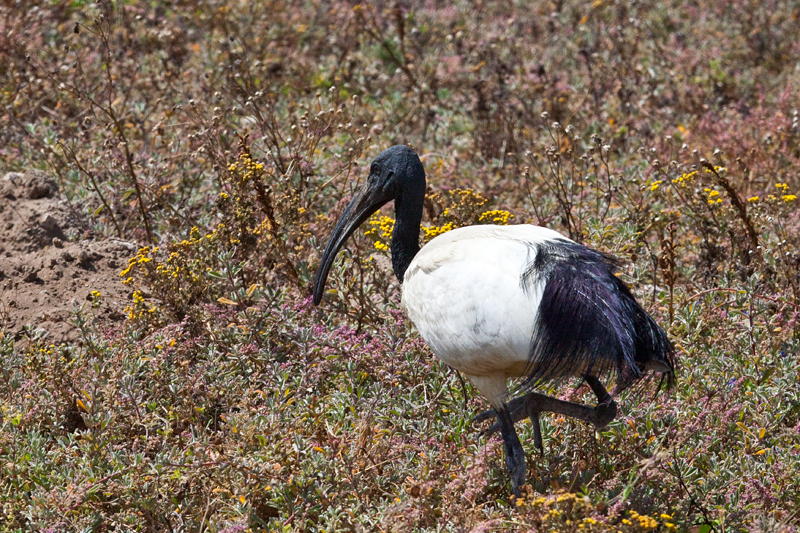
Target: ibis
<point x="504" y="302"/>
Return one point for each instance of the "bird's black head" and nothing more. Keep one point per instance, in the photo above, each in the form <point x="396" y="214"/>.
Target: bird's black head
<point x="396" y="170"/>
<point x="396" y="174"/>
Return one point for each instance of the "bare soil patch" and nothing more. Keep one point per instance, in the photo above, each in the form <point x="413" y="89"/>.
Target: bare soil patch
<point x="48" y="268"/>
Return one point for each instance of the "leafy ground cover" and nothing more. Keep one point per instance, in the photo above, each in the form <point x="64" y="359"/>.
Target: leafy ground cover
<point x="223" y="138"/>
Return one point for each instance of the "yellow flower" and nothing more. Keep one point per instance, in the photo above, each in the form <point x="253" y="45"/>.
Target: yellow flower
<point x="752" y="199"/>
<point x="655" y="185"/>
<point x="684" y="179"/>
<point x="789" y="198"/>
<point x="717" y="169"/>
<point x="435" y="231"/>
<point x="497" y="216"/>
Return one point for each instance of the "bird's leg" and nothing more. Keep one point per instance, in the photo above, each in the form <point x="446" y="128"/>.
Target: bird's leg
<point x="513" y="406"/>
<point x="539" y="403"/>
<point x="533" y="416"/>
<point x="533" y="402"/>
<point x="606" y="409"/>
<point x="518" y="410"/>
<point x="515" y="456"/>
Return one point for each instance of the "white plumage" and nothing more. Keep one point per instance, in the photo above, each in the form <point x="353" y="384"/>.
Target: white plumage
<point x="463" y="293"/>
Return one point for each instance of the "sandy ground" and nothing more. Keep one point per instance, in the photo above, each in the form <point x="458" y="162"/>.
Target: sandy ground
<point x="46" y="269"/>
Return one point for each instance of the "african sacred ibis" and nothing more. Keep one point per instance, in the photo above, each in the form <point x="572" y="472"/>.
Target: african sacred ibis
<point x="500" y="302"/>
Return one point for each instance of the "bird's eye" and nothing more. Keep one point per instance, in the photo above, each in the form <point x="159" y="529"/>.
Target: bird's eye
<point x="375" y="169"/>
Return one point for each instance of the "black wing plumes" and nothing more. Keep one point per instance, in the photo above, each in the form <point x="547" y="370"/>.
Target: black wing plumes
<point x="589" y="323"/>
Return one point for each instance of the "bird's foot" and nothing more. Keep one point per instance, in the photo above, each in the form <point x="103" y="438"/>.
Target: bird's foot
<point x="531" y="404"/>
<point x="514" y="407"/>
<point x="605" y="412"/>
<point x="518" y="410"/>
<point x="606" y="409"/>
<point x="598" y="416"/>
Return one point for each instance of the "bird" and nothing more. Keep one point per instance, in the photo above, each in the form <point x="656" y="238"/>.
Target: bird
<point x="498" y="303"/>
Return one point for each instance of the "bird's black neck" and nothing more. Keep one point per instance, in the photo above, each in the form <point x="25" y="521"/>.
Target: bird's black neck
<point x="405" y="237"/>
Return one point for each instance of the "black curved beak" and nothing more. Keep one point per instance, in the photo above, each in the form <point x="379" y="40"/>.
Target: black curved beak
<point x="361" y="207"/>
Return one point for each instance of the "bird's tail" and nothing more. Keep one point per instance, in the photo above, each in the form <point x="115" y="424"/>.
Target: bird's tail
<point x="589" y="323"/>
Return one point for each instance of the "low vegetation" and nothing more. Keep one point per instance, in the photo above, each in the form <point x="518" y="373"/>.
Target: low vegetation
<point x="224" y="138"/>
